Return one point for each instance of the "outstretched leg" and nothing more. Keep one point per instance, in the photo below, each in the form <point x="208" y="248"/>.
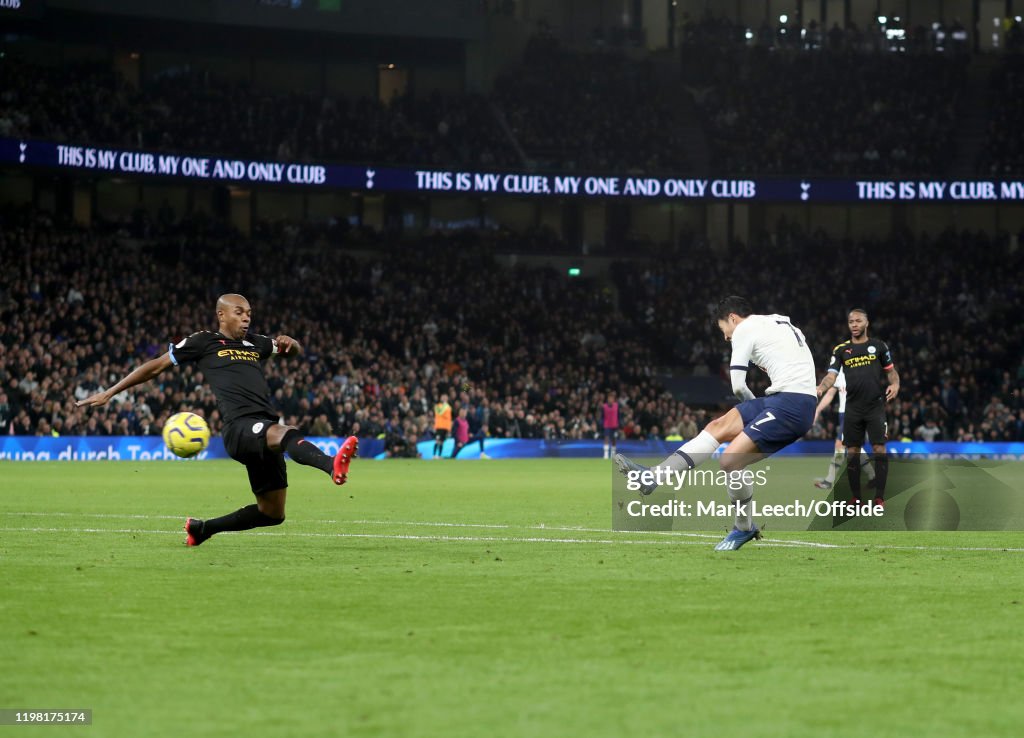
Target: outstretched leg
<point x="268" y="510"/>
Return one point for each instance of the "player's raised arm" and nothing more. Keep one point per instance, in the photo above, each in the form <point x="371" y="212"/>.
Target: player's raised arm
<point x="288" y="346"/>
<point x="140" y="375"/>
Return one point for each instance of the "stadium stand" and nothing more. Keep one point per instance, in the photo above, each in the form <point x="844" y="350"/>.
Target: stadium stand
<point x="194" y="110"/>
<point x="409" y="320"/>
<point x="952" y="351"/>
<point x="825" y="111"/>
<point x="829" y="111"/>
<point x="388" y="327"/>
<point x="386" y="332"/>
<point x="1003" y="154"/>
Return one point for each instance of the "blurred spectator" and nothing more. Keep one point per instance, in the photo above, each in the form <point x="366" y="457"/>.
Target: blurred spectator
<point x="371" y="367"/>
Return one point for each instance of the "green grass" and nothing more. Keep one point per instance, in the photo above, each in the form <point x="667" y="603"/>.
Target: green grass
<point x="358" y="618"/>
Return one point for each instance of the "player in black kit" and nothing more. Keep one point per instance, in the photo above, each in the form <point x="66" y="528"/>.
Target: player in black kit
<point x="232" y="359"/>
<point x="865" y="362"/>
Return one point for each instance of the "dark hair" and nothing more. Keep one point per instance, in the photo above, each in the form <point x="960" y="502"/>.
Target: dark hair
<point x="862" y="311"/>
<point x="732" y="304"/>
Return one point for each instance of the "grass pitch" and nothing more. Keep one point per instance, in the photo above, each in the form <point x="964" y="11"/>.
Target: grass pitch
<point x="483" y="598"/>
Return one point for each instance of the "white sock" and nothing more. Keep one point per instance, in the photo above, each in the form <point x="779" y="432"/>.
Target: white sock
<point x="744" y="518"/>
<point x="834" y="465"/>
<point x="606" y="451"/>
<point x="691" y="454"/>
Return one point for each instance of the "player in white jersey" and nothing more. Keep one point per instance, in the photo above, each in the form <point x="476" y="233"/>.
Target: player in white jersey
<point x="756" y="427"/>
<point x="839" y="452"/>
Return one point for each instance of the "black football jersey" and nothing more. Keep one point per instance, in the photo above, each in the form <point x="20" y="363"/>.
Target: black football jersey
<point x="234" y="370"/>
<point x="864" y="365"/>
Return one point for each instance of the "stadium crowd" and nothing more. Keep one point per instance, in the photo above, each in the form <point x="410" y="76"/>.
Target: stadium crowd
<point x="527" y="351"/>
<point x="622" y="116"/>
<point x="190" y="109"/>
<point x="960" y="354"/>
<point x="1003" y="155"/>
<point x="387" y="331"/>
<point x="834" y="113"/>
<point x="767" y="109"/>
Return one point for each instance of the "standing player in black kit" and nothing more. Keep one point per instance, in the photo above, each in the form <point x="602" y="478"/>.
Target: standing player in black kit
<point x="865" y="362"/>
<point x="231" y="360"/>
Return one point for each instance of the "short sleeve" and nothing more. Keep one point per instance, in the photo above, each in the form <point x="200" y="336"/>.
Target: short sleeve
<point x="835" y="363"/>
<point x="189" y="349"/>
<point x="886" y="354"/>
<point x="264" y="344"/>
<point x="742" y="347"/>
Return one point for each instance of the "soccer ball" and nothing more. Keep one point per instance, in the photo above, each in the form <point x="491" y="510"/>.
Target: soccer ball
<point x="186" y="434"/>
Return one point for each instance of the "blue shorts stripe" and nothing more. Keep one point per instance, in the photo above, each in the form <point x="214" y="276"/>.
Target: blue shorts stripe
<point x="686" y="457"/>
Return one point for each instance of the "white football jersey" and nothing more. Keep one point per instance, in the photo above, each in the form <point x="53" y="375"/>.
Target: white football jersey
<point x="778" y="347"/>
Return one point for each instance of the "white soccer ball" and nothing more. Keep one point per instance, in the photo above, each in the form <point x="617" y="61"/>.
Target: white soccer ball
<point x="186" y="434"/>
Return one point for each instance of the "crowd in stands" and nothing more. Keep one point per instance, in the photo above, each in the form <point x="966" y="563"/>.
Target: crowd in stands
<point x="843" y="112"/>
<point x="388" y="328"/>
<point x="958" y="345"/>
<point x="195" y="111"/>
<point x="1003" y="155"/>
<point x="386" y="334"/>
<point x="777" y="108"/>
<point x="595" y="111"/>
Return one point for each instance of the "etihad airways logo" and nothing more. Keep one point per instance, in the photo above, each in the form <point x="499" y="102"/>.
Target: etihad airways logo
<point x="239" y="355"/>
<point x="858" y="361"/>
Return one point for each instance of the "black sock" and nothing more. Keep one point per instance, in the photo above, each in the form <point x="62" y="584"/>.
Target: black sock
<point x="302" y="451"/>
<point x="245" y="518"/>
<point x="881" y="473"/>
<point x="853" y="472"/>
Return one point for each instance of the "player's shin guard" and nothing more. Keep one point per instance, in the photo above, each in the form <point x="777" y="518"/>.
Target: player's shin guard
<point x="691" y="454"/>
<point x="742" y="496"/>
<point x="302" y="451"/>
<point x="244" y="518"/>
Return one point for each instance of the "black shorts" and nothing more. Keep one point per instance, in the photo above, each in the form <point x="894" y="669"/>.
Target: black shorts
<point x="862" y="423"/>
<point x="440" y="435"/>
<point x="245" y="440"/>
